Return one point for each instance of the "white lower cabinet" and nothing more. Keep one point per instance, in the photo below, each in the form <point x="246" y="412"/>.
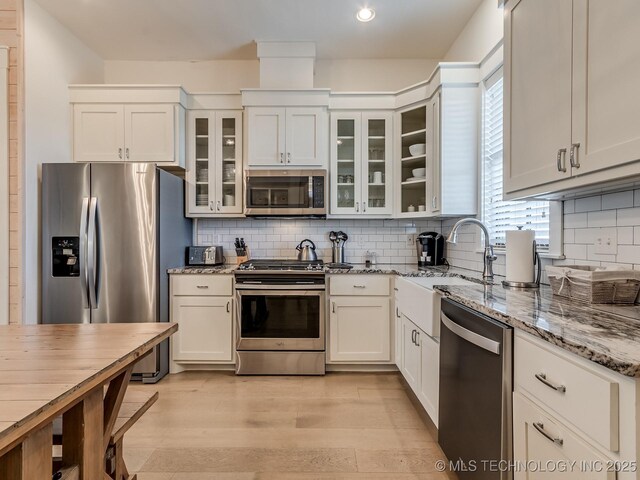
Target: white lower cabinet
<point x="203" y="308"/>
<point x="540" y="439"/>
<point x="567" y="409"/>
<point x="429" y="374"/>
<point x="410" y="354"/>
<point x="360" y="329"/>
<point x="206" y="329"/>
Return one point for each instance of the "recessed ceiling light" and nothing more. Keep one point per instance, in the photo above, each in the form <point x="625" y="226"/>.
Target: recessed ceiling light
<point x="366" y="14"/>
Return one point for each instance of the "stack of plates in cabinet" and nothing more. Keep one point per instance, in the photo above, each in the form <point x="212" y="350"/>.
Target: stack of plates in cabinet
<point x="229" y="173"/>
<point x="202" y="175"/>
<point x="202" y="199"/>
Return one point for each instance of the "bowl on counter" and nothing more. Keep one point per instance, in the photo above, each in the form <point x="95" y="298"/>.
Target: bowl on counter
<point x="419" y="172"/>
<point x="417" y="149"/>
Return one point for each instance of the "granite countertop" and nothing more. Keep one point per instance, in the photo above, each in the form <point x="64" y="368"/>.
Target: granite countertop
<point x="381" y="269"/>
<point x="605" y="334"/>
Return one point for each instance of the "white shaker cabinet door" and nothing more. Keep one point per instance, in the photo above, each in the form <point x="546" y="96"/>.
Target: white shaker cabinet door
<point x="410" y="354"/>
<point x="538" y="79"/>
<point x="149" y="133"/>
<point x="606" y="123"/>
<point x="306" y="137"/>
<point x="266" y="130"/>
<point x="429" y="374"/>
<point x="205" y="331"/>
<point x="98" y="133"/>
<point x="360" y="329"/>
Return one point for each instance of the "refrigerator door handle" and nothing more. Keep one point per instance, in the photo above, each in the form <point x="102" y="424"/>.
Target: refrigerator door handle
<point x="83" y="252"/>
<point x="92" y="253"/>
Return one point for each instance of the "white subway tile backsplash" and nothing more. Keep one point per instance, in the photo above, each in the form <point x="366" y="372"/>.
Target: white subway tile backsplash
<point x="636" y="235"/>
<point x="625" y="235"/>
<point x="629" y="254"/>
<point x="569" y="206"/>
<point x="617" y="200"/>
<point x="589" y="204"/>
<point x="604" y="218"/>
<point x="636" y="198"/>
<point x="576" y="251"/>
<point x="584" y="236"/>
<point x="575" y="220"/>
<point x="628" y="217"/>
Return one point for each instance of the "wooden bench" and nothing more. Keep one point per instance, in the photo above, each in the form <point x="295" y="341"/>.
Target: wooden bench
<point x="134" y="405"/>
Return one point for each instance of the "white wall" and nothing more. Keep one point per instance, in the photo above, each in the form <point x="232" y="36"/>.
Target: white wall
<point x="54" y="58"/>
<point x="483" y="32"/>
<point x="232" y="75"/>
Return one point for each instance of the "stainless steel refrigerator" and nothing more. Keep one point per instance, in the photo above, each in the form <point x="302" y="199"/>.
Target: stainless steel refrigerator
<point x="109" y="233"/>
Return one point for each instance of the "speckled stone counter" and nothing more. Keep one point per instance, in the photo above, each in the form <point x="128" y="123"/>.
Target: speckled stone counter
<point x="605" y="334"/>
<point x="221" y="269"/>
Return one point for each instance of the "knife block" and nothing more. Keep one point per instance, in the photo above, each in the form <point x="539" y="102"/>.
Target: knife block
<point x="242" y="258"/>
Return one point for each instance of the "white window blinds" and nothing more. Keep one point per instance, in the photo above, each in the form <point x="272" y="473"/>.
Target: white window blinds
<point x="500" y="215"/>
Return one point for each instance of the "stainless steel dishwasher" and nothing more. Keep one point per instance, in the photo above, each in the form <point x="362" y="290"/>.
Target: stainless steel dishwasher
<point x="476" y="384"/>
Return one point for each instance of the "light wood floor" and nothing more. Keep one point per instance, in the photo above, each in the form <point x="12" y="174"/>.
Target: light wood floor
<point x="213" y="425"/>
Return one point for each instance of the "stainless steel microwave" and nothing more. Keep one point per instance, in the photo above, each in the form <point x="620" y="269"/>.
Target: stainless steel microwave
<point x="285" y="193"/>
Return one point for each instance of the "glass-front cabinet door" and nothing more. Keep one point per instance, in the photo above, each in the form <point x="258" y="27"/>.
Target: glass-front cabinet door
<point x="214" y="152"/>
<point x="377" y="163"/>
<point x="345" y="162"/>
<point x="361" y="149"/>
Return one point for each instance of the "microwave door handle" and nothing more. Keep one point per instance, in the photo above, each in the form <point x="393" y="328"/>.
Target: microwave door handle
<point x="83" y="252"/>
<point x="92" y="251"/>
<point x="310" y="192"/>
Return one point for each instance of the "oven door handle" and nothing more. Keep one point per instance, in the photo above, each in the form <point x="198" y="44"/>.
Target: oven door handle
<point x="278" y="288"/>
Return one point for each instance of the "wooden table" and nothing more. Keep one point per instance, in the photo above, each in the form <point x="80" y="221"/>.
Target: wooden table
<point x="49" y="370"/>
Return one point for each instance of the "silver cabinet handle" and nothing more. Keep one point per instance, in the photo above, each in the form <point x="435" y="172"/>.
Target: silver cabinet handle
<point x="126" y="152"/>
<point x="543" y="378"/>
<point x="281" y="157"/>
<point x="395" y="288"/>
<point x="472" y="337"/>
<point x="358" y="207"/>
<point x="120" y="153"/>
<point x="218" y="205"/>
<point x="202" y="286"/>
<point x="559" y="162"/>
<point x="211" y="205"/>
<point x="413" y="336"/>
<point x="417" y="338"/>
<point x="434" y="201"/>
<point x="359" y="286"/>
<point x="288" y="157"/>
<point x="333" y="307"/>
<point x="397" y="313"/>
<point x="573" y="155"/>
<point x="539" y="426"/>
<point x="364" y="207"/>
<point x="228" y="307"/>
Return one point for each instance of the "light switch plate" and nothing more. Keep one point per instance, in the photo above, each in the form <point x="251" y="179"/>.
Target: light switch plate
<point x="606" y="242"/>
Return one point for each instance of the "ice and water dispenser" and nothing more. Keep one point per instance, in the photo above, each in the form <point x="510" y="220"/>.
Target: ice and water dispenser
<point x="65" y="255"/>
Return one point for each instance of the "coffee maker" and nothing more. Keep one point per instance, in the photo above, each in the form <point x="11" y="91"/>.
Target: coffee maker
<point x="430" y="249"/>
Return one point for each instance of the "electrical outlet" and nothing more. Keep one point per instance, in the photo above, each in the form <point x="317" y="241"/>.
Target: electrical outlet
<point x="410" y="240"/>
<point x="606" y="242"/>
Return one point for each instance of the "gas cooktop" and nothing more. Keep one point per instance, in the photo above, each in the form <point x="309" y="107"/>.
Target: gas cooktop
<point x="281" y="265"/>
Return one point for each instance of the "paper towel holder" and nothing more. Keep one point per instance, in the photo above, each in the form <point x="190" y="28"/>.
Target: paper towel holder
<point x="536" y="283"/>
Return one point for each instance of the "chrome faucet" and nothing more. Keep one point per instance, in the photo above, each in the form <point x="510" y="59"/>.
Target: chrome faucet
<point x="489" y="256"/>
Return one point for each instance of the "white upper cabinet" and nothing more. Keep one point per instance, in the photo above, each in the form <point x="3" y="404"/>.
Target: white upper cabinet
<point x="537" y="126"/>
<point x="437" y="166"/>
<point x="149" y="132"/>
<point x="214" y="163"/>
<point x="98" y="133"/>
<point x="571" y="73"/>
<point x="361" y="163"/>
<point x="606" y="72"/>
<point x="128" y="124"/>
<point x="287" y="137"/>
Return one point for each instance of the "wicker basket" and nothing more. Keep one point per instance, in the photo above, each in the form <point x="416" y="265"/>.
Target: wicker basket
<point x="594" y="284"/>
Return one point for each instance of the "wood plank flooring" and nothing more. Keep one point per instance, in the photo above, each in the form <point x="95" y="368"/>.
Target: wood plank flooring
<point x="343" y="426"/>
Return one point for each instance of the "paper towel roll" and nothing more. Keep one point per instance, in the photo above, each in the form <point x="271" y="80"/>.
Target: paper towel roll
<point x="520" y="258"/>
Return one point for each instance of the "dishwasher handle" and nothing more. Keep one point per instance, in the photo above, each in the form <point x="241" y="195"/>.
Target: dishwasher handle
<point x="472" y="337"/>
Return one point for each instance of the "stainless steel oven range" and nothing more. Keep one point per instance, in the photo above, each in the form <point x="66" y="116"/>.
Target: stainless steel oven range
<point x="280" y="318"/>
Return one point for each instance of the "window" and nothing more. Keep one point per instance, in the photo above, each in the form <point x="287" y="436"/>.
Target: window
<point x="500" y="215"/>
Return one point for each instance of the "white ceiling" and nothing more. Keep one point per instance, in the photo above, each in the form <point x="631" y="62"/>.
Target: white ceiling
<point x="226" y="29"/>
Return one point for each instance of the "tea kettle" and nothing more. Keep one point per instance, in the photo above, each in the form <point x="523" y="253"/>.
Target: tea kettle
<point x="307" y="252"/>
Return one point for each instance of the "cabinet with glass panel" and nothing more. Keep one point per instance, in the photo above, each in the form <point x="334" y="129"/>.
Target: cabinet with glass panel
<point x="361" y="148"/>
<point x="214" y="159"/>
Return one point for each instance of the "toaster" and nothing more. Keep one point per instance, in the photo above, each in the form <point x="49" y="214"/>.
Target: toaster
<point x="205" y="255"/>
